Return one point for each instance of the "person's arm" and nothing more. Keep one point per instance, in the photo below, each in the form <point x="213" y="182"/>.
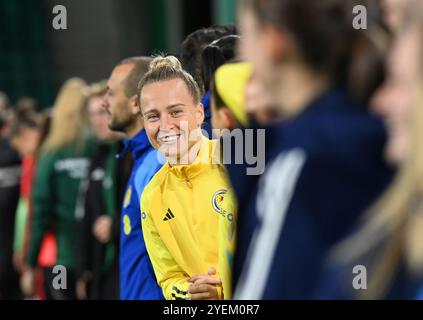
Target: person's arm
<point x="115" y="228"/>
<point x="83" y="259"/>
<point x="43" y="204"/>
<point x="19" y="235"/>
<point x="170" y="277"/>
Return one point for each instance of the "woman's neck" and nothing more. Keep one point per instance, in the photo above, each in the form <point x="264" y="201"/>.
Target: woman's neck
<point x="297" y="88"/>
<point x="188" y="157"/>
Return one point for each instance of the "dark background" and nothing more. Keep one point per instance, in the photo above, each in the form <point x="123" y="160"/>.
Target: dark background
<point x="35" y="59"/>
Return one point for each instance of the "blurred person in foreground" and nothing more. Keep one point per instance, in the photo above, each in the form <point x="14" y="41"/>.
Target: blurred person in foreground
<point x="324" y="160"/>
<point x="98" y="258"/>
<point x="137" y="279"/>
<point x="389" y="241"/>
<point x="392" y="13"/>
<point x="63" y="162"/>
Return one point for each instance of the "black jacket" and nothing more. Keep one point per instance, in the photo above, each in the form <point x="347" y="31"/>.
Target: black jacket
<point x="104" y="194"/>
<point x="10" y="171"/>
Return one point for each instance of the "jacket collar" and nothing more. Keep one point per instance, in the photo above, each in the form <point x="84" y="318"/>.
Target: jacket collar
<point x="137" y="145"/>
<point x="206" y="104"/>
<point x="206" y="156"/>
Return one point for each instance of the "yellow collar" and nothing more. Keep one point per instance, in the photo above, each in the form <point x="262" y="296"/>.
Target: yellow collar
<point x="202" y="162"/>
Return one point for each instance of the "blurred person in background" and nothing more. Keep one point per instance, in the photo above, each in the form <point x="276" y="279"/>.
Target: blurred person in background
<point x="389" y="242"/>
<point x="137" y="279"/>
<point x="228" y="96"/>
<point x="214" y="55"/>
<point x="10" y="172"/>
<point x="28" y="131"/>
<point x="324" y="161"/>
<point x="6" y="114"/>
<point x="26" y="104"/>
<point x="4" y="102"/>
<point x="192" y="61"/>
<point x="98" y="258"/>
<point x="63" y="162"/>
<point x="193" y="46"/>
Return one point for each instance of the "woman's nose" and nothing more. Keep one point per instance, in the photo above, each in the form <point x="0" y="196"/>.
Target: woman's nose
<point x="380" y="101"/>
<point x="166" y="123"/>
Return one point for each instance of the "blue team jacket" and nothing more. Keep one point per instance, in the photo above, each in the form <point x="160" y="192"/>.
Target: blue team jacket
<point x="323" y="169"/>
<point x="207" y="115"/>
<point x="137" y="279"/>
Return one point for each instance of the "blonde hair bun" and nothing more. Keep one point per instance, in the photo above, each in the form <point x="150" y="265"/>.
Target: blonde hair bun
<point x="165" y="62"/>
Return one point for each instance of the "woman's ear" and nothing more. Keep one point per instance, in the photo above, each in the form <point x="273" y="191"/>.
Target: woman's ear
<point x="227" y="118"/>
<point x="274" y="43"/>
<point x="200" y="114"/>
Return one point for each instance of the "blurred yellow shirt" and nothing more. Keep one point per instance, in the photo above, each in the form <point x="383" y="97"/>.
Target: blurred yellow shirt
<point x="181" y="209"/>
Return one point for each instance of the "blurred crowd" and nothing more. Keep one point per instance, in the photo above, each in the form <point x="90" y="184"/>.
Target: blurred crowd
<point x="96" y="182"/>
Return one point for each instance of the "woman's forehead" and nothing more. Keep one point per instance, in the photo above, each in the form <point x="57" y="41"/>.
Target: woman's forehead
<point x="160" y="95"/>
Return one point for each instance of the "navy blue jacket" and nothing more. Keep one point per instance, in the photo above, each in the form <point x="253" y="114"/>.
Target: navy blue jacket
<point x="323" y="169"/>
<point x="338" y="277"/>
<point x="137" y="278"/>
<point x="207" y="115"/>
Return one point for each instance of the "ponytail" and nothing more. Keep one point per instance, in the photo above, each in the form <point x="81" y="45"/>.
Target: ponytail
<point x="216" y="54"/>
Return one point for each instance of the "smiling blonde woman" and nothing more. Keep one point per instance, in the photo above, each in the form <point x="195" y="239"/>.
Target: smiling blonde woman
<point x="183" y="203"/>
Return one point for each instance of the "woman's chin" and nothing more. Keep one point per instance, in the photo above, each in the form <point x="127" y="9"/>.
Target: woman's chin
<point x="170" y="151"/>
<point x="396" y="152"/>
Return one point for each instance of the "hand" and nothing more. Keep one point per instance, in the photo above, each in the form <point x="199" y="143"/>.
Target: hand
<point x="27" y="282"/>
<point x="81" y="285"/>
<point x="204" y="286"/>
<point x="102" y="228"/>
<point x="19" y="261"/>
<point x="81" y="289"/>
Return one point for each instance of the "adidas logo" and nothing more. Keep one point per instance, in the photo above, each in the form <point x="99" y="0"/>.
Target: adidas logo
<point x="169" y="215"/>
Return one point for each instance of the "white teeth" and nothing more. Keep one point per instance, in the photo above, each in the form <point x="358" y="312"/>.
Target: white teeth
<point x="169" y="138"/>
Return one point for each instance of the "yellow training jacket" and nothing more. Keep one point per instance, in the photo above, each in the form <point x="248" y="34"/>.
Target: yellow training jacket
<point x="181" y="209"/>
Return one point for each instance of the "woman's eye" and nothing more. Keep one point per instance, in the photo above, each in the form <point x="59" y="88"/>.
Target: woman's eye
<point x="152" y="117"/>
<point x="175" y="113"/>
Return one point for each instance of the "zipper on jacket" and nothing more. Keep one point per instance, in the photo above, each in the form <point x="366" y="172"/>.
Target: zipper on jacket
<point x="190" y="186"/>
<point x="186" y="178"/>
<point x="189" y="183"/>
